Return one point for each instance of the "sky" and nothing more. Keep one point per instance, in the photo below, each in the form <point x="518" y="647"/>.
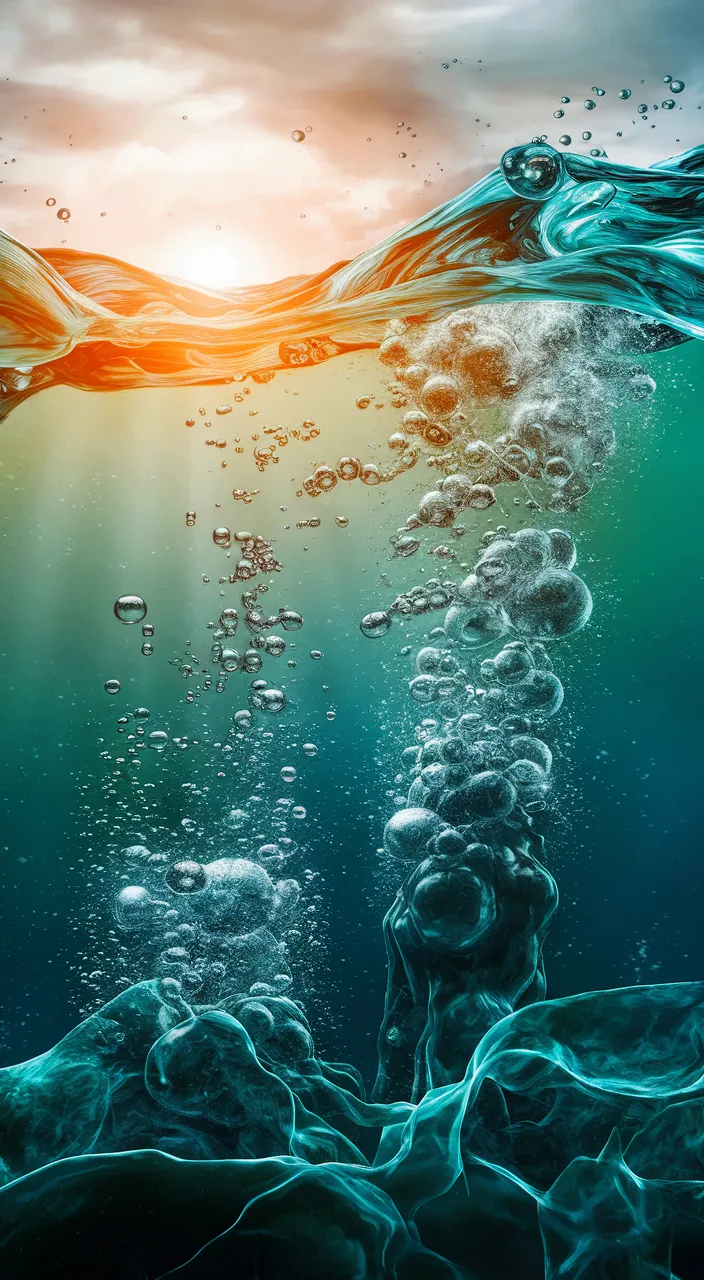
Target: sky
<point x="166" y="127"/>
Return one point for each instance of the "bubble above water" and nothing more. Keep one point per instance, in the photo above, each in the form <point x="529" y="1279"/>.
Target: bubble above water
<point x="533" y="171"/>
<point x="375" y="624"/>
<point x="112" y="687"/>
<point x="130" y="609"/>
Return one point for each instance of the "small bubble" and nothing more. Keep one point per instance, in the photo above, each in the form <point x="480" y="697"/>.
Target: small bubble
<point x="586" y="135"/>
<point x="63" y="214"/>
<point x="341" y="521"/>
<point x="112" y="687"/>
<point x="51" y="202"/>
<point x="565" y="139"/>
<point x="676" y="86"/>
<point x="589" y="104"/>
<point x="624" y="93"/>
<point x="298" y="135"/>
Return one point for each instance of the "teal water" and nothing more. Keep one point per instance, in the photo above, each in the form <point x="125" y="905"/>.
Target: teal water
<point x="167" y="1134"/>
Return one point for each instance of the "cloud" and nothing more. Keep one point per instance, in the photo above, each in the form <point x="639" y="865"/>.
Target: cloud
<point x="115" y="79"/>
<point x="97" y="93"/>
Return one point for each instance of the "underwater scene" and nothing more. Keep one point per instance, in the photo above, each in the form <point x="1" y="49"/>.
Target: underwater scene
<point x="351" y="740"/>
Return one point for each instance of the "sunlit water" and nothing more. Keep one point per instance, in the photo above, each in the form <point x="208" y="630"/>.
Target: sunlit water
<point x="250" y="840"/>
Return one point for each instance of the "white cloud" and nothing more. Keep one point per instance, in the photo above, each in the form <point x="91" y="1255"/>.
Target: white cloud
<point x="206" y="109"/>
<point x="115" y="79"/>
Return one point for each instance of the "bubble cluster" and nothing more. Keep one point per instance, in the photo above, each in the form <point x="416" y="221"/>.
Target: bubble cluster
<point x="257" y="624"/>
<point x="547" y="375"/>
<point x="474" y="896"/>
<point x="481" y="759"/>
<point x="256" y="554"/>
<point x="211" y="926"/>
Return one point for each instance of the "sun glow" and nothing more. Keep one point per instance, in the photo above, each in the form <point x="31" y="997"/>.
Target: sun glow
<point x="211" y="260"/>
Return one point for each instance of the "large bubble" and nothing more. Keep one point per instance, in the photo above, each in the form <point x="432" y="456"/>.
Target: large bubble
<point x="407" y="833"/>
<point x="534" y="171"/>
<point x="239" y="895"/>
<point x="473" y="625"/>
<point x="553" y="603"/>
<point x="488" y="795"/>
